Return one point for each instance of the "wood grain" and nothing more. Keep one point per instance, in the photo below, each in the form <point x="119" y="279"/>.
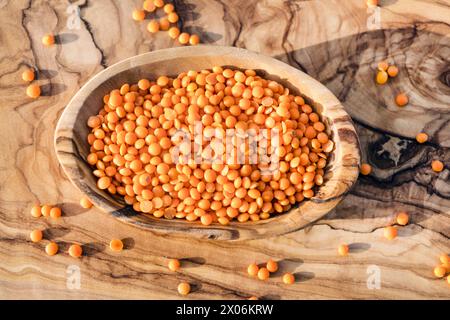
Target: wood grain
<point x="338" y="53"/>
<point x="341" y="171"/>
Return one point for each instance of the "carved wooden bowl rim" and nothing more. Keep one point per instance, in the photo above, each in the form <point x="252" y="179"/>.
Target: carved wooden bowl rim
<point x="341" y="172"/>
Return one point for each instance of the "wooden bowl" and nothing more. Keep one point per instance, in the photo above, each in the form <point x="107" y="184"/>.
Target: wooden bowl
<point x="341" y="173"/>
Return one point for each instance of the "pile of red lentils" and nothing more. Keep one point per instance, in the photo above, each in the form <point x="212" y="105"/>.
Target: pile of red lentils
<point x="130" y="146"/>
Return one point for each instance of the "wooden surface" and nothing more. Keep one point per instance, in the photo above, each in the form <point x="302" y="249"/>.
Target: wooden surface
<point x="342" y="163"/>
<point x="327" y="39"/>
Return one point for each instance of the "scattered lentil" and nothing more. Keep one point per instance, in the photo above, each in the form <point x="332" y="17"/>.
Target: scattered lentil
<point x="184" y="288"/>
<point x="194" y="40"/>
<point x="365" y="169"/>
<point x="401" y="100"/>
<point x="149" y="6"/>
<point x="48" y="40"/>
<point x="272" y="266"/>
<point x="51" y="248"/>
<point x="75" y="251"/>
<point x="55" y="212"/>
<point x="437" y="165"/>
<point x="390" y="232"/>
<point x="343" y="250"/>
<point x="33" y="91"/>
<point x="45" y="210"/>
<point x="153" y="26"/>
<point x="28" y="75"/>
<point x="288" y="278"/>
<point x="422" y="137"/>
<point x="183" y="38"/>
<point x="86" y="203"/>
<point x="392" y="71"/>
<point x="138" y="15"/>
<point x="383" y="66"/>
<point x="36" y="235"/>
<point x="263" y="274"/>
<point x="382" y="77"/>
<point x="174" y="264"/>
<point x="174" y="32"/>
<point x="36" y="211"/>
<point x="253" y="269"/>
<point x="402" y="218"/>
<point x="440" y="271"/>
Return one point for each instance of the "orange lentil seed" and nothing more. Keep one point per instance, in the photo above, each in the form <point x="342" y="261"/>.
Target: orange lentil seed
<point x="86" y="203"/>
<point x="390" y="232"/>
<point x="183" y="38"/>
<point x="401" y="100"/>
<point x="172" y="17"/>
<point x="437" y="165"/>
<point x="158" y="3"/>
<point x="194" y="40"/>
<point x="444" y="258"/>
<point x="184" y="288"/>
<point x="48" y="40"/>
<point x="422" y="137"/>
<point x="51" y="248"/>
<point x="55" y="212"/>
<point x="33" y="91"/>
<point x="365" y="169"/>
<point x="253" y="269"/>
<point x="75" y="251"/>
<point x="153" y="26"/>
<point x="343" y="250"/>
<point x="382" y="77"/>
<point x="36" y="235"/>
<point x="116" y="245"/>
<point x="272" y="266"/>
<point x="263" y="274"/>
<point x="168" y="8"/>
<point x="174" y="32"/>
<point x="440" y="271"/>
<point x="383" y="66"/>
<point x="36" y="211"/>
<point x="45" y="210"/>
<point x="402" y="218"/>
<point x="288" y="278"/>
<point x="28" y="75"/>
<point x="392" y="71"/>
<point x="138" y="15"/>
<point x="164" y="24"/>
<point x="174" y="264"/>
<point x="149" y="6"/>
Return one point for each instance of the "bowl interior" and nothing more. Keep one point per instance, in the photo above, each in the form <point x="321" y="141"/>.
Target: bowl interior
<point x="341" y="171"/>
